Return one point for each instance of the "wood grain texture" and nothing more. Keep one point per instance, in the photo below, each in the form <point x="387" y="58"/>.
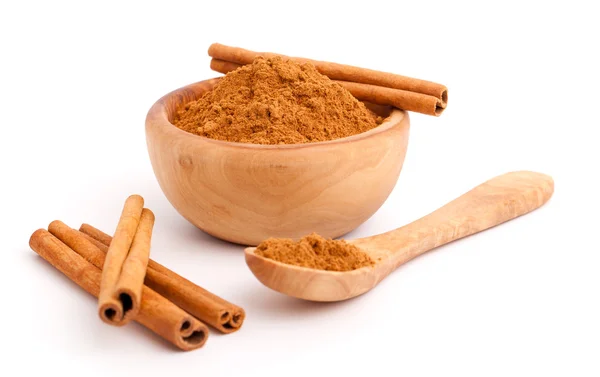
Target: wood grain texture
<point x="496" y="201"/>
<point x="245" y="193"/>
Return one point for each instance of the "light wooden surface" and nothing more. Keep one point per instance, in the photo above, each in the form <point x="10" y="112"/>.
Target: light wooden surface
<point x="489" y="204"/>
<point x="245" y="193"/>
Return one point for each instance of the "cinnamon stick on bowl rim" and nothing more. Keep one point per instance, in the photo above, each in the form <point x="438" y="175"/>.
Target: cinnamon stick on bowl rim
<point x="156" y="313"/>
<point x="402" y="99"/>
<point x="204" y="305"/>
<point x="125" y="266"/>
<point x="347" y="73"/>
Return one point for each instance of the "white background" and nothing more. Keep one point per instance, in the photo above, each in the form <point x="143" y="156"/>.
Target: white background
<point x="519" y="299"/>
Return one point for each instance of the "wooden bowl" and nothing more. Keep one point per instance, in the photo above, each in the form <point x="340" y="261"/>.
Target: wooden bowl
<point x="245" y="193"/>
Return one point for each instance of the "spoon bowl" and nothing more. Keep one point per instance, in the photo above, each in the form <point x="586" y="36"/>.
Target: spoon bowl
<point x="496" y="201"/>
<point x="311" y="284"/>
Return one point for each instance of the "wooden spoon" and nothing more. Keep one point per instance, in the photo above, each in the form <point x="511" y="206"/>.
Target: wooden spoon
<point x="498" y="200"/>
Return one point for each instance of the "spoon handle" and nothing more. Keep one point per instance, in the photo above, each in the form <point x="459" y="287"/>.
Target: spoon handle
<point x="498" y="200"/>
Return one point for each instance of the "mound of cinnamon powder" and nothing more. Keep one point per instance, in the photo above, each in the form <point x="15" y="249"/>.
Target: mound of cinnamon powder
<point x="314" y="251"/>
<point x="276" y="101"/>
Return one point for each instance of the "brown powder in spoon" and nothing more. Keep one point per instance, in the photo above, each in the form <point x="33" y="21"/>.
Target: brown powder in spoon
<point x="276" y="101"/>
<point x="314" y="251"/>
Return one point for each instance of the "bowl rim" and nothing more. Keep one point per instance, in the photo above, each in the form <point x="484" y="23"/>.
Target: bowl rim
<point x="158" y="117"/>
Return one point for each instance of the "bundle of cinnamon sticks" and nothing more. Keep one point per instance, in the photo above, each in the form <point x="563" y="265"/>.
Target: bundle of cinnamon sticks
<point x="131" y="286"/>
<point x="368" y="85"/>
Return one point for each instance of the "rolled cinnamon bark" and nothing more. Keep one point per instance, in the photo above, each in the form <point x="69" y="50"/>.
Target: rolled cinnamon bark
<point x="402" y="99"/>
<point x="223" y="66"/>
<point x="204" y="305"/>
<point x="156" y="313"/>
<point x="119" y="298"/>
<point x="134" y="267"/>
<point x="341" y="72"/>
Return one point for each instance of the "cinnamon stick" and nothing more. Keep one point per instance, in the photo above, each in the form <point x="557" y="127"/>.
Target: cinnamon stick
<point x="156" y="313"/>
<point x="402" y="99"/>
<point x="134" y="267"/>
<point x="123" y="271"/>
<point x="204" y="305"/>
<point x="341" y="72"/>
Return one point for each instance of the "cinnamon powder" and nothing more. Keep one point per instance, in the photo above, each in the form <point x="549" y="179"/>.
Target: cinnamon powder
<point x="276" y="101"/>
<point x="314" y="251"/>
